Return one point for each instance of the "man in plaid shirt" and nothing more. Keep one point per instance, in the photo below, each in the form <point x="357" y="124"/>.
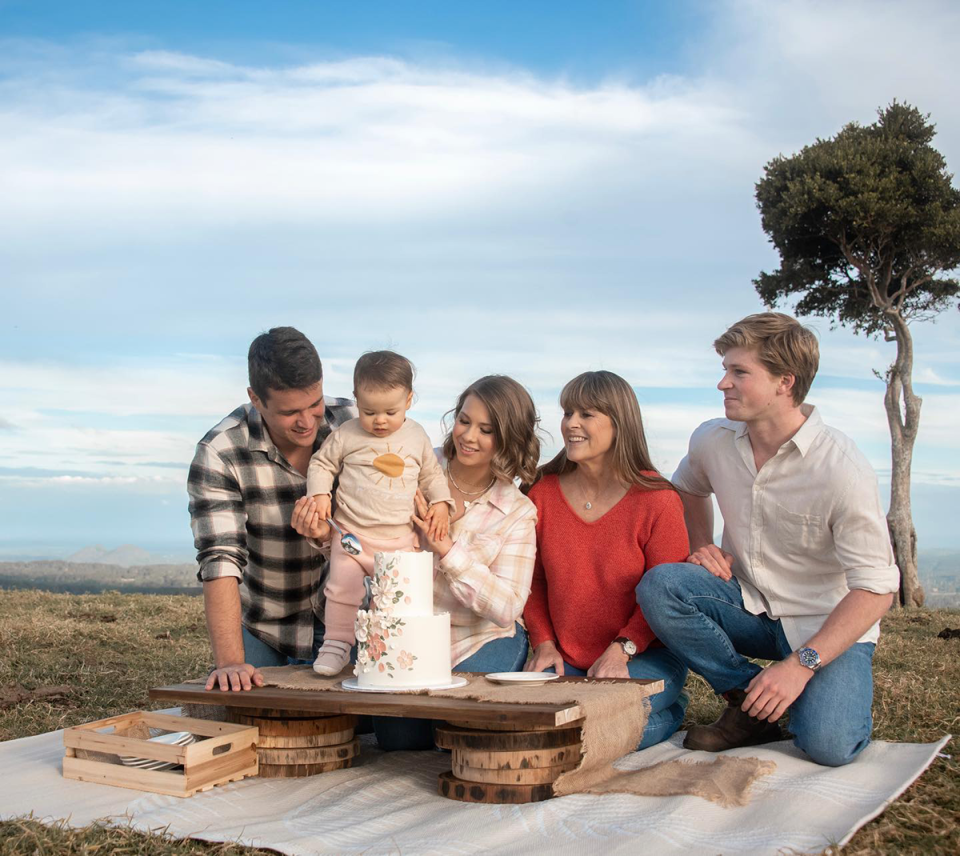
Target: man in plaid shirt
<point x="262" y="582"/>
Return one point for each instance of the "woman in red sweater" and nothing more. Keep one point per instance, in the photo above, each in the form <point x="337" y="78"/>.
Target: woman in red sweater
<point x="604" y="518"/>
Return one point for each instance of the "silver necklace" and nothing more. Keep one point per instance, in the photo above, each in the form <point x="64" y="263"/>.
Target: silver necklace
<point x="469" y="492"/>
<point x="588" y="504"/>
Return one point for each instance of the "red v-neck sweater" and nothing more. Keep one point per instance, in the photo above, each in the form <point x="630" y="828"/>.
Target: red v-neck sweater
<point x="584" y="580"/>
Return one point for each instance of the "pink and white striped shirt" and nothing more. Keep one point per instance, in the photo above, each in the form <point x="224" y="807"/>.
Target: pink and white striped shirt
<point x="484" y="581"/>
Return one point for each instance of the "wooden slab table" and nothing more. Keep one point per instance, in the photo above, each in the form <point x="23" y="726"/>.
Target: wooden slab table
<point x="511" y="752"/>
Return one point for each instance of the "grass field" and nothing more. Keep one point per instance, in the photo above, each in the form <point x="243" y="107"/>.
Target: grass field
<point x="103" y="652"/>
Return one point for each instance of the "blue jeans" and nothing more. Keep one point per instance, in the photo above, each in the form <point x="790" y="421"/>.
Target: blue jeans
<point x="702" y="618"/>
<point x="506" y="654"/>
<point x="666" y="707"/>
<point x="258" y="653"/>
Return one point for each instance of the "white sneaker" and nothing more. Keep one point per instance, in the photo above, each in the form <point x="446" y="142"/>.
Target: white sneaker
<point x="332" y="657"/>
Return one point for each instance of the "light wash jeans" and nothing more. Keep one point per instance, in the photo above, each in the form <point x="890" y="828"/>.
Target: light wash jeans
<point x="506" y="654"/>
<point x="666" y="707"/>
<point x="703" y="620"/>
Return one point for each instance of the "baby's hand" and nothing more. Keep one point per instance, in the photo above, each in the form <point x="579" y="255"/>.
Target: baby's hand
<point x="438" y="519"/>
<point x="323" y="505"/>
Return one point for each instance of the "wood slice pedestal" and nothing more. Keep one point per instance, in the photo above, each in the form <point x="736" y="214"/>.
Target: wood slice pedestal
<point x="494" y="765"/>
<point x="298" y="743"/>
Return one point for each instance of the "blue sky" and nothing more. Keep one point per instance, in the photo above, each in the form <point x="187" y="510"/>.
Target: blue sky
<point x="534" y="188"/>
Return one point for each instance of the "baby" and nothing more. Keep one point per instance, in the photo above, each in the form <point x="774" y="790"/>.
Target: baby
<point x="381" y="459"/>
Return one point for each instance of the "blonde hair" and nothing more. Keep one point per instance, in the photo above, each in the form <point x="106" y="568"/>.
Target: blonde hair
<point x="514" y="419"/>
<point x="782" y="345"/>
<point x="608" y="393"/>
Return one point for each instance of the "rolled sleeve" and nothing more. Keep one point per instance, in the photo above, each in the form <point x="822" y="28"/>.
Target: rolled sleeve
<point x="862" y="539"/>
<point x="217" y="517"/>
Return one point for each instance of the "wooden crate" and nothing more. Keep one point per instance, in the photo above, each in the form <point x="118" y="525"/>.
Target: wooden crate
<point x="224" y="752"/>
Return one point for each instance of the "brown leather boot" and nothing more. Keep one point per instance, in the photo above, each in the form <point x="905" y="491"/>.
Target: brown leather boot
<point x="734" y="728"/>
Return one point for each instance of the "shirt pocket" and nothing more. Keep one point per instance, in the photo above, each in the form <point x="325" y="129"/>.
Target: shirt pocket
<point x="797" y="532"/>
<point x="483" y="547"/>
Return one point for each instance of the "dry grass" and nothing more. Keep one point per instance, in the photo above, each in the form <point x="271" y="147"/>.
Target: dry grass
<point x="107" y="647"/>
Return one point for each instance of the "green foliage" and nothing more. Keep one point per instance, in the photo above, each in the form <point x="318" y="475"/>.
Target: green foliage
<point x="867" y="224"/>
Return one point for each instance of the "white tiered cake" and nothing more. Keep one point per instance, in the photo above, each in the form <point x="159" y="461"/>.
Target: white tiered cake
<point x="401" y="644"/>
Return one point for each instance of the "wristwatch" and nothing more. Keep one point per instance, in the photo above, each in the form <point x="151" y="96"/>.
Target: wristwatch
<point x="809" y="658"/>
<point x="628" y="645"/>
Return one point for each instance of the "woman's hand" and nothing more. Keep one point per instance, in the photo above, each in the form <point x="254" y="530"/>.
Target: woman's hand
<point x="440" y="546"/>
<point x="711" y="558"/>
<point x="545" y="656"/>
<point x="307" y="522"/>
<point x="612" y="663"/>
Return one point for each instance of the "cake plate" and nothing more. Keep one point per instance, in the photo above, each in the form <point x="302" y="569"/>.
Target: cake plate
<point x="352" y="685"/>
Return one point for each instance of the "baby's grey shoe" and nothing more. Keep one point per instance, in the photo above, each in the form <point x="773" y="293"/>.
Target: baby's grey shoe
<point x="332" y="657"/>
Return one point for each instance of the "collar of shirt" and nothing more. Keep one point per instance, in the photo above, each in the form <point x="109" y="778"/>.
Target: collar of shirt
<point x="805" y="436"/>
<point x="502" y="495"/>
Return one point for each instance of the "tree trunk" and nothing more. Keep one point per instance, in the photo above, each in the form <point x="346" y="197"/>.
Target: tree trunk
<point x="903" y="417"/>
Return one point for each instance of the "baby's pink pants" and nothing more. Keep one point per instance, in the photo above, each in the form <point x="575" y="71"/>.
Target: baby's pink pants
<point x="344" y="589"/>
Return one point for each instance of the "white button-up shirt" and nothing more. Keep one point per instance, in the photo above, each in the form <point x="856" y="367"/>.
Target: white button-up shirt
<point x="804" y="530"/>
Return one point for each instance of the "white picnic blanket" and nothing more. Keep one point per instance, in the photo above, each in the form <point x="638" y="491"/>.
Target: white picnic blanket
<point x="388" y="803"/>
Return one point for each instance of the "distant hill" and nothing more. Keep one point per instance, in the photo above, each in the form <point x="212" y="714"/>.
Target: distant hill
<point x="126" y="555"/>
<point x="94" y="577"/>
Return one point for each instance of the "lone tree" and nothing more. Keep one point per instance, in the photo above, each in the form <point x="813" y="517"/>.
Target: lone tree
<point x="867" y="225"/>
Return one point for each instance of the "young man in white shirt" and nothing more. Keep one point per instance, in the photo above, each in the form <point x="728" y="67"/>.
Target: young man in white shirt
<point x="805" y="569"/>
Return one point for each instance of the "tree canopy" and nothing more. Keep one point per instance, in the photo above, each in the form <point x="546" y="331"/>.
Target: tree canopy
<point x="867" y="224"/>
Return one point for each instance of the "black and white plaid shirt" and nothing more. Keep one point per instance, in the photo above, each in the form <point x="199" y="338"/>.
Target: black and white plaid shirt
<point x="242" y="493"/>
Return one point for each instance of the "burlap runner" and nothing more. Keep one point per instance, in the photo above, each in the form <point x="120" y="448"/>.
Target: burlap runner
<point x="615" y="716"/>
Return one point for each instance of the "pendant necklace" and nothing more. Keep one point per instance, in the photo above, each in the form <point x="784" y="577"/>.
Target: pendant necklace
<point x="588" y="504"/>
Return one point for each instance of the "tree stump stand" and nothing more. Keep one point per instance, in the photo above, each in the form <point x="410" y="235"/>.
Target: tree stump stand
<point x="495" y="763"/>
<point x="299" y="743"/>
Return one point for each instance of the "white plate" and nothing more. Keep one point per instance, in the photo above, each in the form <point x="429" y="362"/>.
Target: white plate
<point x="530" y="679"/>
<point x="352" y="685"/>
<point x="175" y="738"/>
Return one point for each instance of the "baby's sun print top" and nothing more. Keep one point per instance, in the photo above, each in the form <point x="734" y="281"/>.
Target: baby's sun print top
<point x="378" y="477"/>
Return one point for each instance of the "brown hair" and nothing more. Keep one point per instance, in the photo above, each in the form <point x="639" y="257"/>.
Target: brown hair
<point x="514" y="418"/>
<point x="280" y="359"/>
<point x="608" y="393"/>
<point x="383" y="370"/>
<point x="782" y="345"/>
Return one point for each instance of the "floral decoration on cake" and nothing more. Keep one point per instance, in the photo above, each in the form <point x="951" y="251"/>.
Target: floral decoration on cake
<point x="375" y="626"/>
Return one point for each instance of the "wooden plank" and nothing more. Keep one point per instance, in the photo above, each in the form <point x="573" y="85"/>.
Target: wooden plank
<point x="220" y="767"/>
<point x="309" y="754"/>
<point x="124" y="719"/>
<point x="213" y="747"/>
<point x="171" y="784"/>
<point x="91" y="741"/>
<point x="476" y="725"/>
<point x="378" y="704"/>
<point x="532" y="776"/>
<point x="505" y="741"/>
<point x="203" y="727"/>
<point x="299" y="727"/>
<point x="518" y="760"/>
<point x="296" y="771"/>
<point x="277" y="713"/>
<point x="453" y="788"/>
<point x="306" y="741"/>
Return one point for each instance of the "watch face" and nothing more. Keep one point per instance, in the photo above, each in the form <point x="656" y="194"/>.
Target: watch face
<point x="629" y="648"/>
<point x="809" y="658"/>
